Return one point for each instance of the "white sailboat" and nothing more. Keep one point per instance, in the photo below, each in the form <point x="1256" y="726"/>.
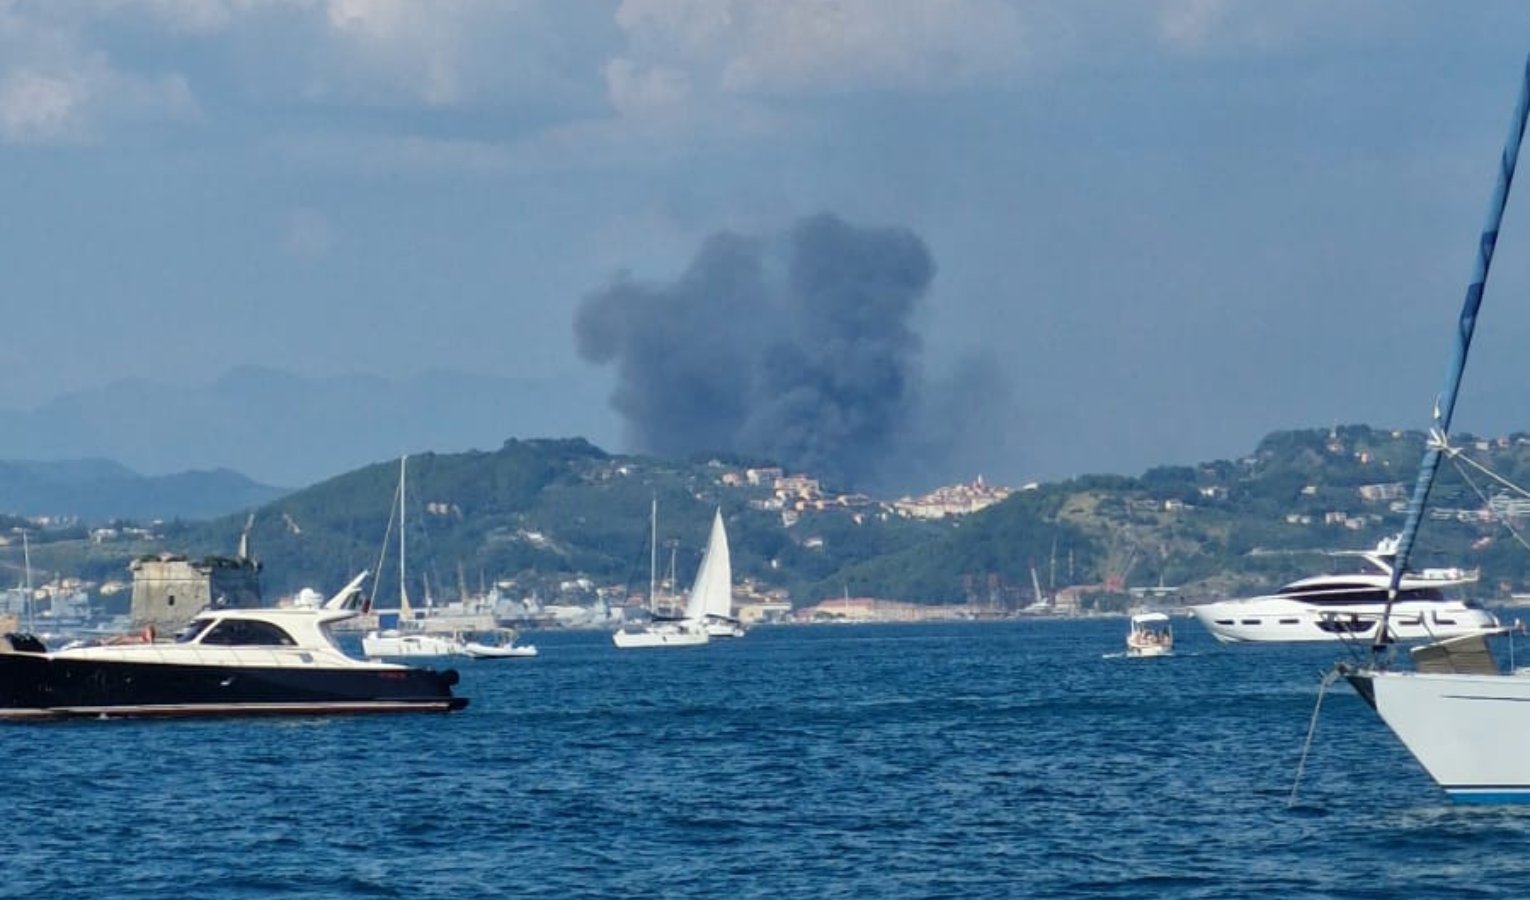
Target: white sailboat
<point x="690" y="629"/>
<point x="1465" y="720"/>
<point x="406" y="640"/>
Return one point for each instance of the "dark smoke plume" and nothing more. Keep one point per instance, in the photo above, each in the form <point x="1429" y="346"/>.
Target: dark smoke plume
<point x="796" y="348"/>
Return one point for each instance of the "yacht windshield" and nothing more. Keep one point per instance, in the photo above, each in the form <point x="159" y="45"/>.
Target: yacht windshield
<point x="193" y="628"/>
<point x="248" y="633"/>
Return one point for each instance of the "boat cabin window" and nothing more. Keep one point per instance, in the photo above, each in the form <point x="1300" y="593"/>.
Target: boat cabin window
<point x="1349" y="625"/>
<point x="193" y="628"/>
<point x="248" y="633"/>
<point x="1335" y="594"/>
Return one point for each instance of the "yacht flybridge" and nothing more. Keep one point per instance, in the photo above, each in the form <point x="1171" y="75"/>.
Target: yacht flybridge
<point x="1350" y="607"/>
<point x="224" y="662"/>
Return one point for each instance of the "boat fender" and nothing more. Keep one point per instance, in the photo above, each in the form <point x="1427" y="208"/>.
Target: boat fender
<point x="450" y="677"/>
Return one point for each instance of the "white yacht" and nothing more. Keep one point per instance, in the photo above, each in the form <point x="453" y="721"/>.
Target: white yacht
<point x="225" y="662"/>
<point x="1349" y="607"/>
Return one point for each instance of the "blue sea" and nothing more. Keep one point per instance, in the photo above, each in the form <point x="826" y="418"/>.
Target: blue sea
<point x="1023" y="759"/>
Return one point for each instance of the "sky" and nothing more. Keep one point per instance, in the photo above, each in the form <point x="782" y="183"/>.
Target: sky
<point x="932" y="238"/>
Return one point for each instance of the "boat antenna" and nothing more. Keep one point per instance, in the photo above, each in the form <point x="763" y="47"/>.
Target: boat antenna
<point x="1445" y="404"/>
<point x="28" y="603"/>
<point x="653" y="553"/>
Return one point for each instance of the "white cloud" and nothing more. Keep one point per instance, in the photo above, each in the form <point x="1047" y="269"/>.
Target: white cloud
<point x="71" y="102"/>
<point x="636" y="90"/>
<point x="36" y="108"/>
<point x="56" y="88"/>
<point x="805" y="46"/>
<point x="546" y="74"/>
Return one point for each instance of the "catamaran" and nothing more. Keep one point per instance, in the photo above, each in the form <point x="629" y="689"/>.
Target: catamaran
<point x="1463" y="717"/>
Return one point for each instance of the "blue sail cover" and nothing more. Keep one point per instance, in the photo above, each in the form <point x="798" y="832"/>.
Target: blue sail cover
<point x="1446" y="406"/>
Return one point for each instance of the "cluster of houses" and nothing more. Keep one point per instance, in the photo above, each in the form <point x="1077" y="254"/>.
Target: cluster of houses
<point x="792" y="495"/>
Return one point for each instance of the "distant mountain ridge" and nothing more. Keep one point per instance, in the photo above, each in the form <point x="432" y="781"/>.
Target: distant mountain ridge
<point x="98" y="490"/>
<point x="287" y="429"/>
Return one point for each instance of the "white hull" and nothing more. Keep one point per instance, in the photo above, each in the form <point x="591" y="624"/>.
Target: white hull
<point x="1283" y="620"/>
<point x="1467" y="731"/>
<point x="410" y="646"/>
<point x="496" y="651"/>
<point x="661" y="636"/>
<point x="1143" y="652"/>
<point x="725" y="630"/>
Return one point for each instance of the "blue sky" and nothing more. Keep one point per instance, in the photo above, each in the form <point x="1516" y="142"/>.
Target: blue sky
<point x="1169" y="227"/>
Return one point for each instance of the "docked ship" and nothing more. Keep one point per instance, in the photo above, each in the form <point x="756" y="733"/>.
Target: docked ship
<point x="1350" y="607"/>
<point x="224" y="662"/>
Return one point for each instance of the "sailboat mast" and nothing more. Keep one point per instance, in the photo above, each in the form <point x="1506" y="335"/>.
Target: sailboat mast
<point x="653" y="555"/>
<point x="403" y="584"/>
<point x="1445" y="405"/>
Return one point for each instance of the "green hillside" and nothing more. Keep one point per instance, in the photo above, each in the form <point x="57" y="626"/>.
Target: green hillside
<point x="548" y="513"/>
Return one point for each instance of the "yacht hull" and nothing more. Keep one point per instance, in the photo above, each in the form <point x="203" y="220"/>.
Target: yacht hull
<point x="1279" y="620"/>
<point x="1467" y="731"/>
<point x="34" y="686"/>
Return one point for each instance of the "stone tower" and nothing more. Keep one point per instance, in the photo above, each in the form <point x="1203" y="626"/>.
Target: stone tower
<point x="169" y="589"/>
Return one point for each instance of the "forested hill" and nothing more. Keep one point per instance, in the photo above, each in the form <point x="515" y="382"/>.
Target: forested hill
<point x="548" y="513"/>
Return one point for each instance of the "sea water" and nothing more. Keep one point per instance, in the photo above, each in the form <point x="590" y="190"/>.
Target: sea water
<point x="1024" y="759"/>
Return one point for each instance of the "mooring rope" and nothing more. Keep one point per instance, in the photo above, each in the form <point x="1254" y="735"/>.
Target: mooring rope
<point x="1301" y="766"/>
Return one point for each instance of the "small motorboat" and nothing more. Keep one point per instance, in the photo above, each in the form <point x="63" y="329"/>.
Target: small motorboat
<point x="1150" y="635"/>
<point x="497" y="645"/>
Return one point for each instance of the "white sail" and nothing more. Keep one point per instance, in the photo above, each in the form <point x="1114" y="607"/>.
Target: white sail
<point x="712" y="593"/>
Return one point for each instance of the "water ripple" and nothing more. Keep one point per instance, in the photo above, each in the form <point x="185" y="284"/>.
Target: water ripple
<point x="929" y="761"/>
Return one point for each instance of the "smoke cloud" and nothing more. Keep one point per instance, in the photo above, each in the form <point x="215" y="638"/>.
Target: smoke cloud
<point x="796" y="348"/>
